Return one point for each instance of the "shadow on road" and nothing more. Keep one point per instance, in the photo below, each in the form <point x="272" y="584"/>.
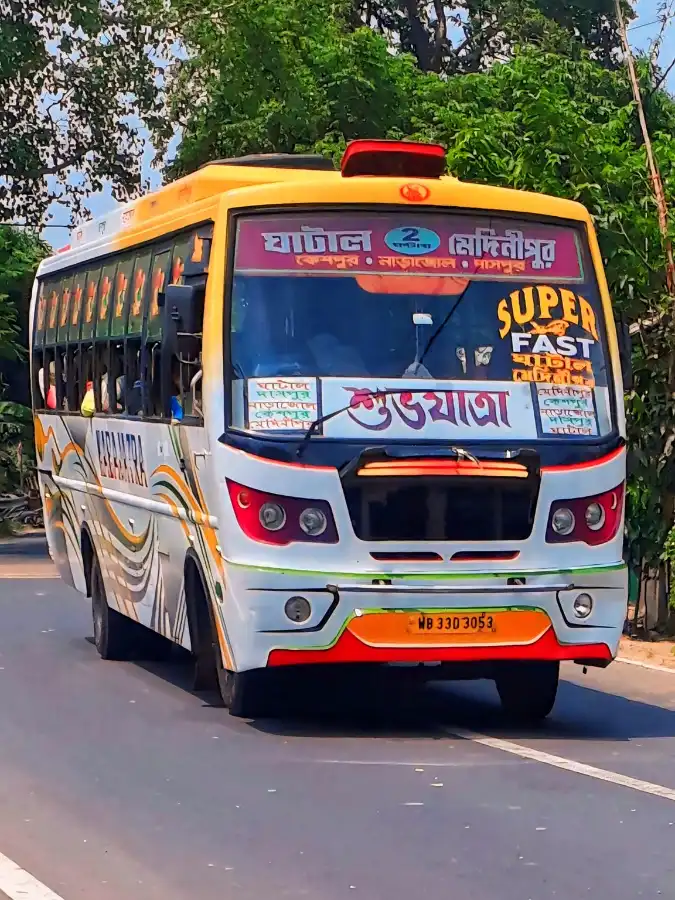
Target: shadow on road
<point x="580" y="714"/>
<point x="399" y="708"/>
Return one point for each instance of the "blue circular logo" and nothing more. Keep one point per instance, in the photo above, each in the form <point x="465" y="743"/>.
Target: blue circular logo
<point x="412" y="241"/>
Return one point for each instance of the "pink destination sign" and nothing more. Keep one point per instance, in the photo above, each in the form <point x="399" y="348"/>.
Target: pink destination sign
<point x="426" y="244"/>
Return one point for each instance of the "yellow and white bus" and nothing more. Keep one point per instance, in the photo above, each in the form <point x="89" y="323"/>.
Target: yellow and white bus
<point x="288" y="416"/>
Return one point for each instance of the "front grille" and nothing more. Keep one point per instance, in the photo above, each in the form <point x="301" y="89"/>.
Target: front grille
<point x="442" y="508"/>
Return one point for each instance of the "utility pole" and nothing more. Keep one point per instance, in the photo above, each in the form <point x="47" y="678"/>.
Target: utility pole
<point x="654" y="173"/>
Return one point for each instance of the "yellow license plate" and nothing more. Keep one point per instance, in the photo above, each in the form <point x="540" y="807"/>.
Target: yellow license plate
<point x="452" y="623"/>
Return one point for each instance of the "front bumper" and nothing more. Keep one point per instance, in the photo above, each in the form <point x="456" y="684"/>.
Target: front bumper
<point x="367" y="618"/>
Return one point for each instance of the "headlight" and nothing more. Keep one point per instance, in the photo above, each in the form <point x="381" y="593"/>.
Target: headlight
<point x="583" y="605"/>
<point x="272" y="516"/>
<point x="563" y="521"/>
<point x="313" y="521"/>
<point x="298" y="609"/>
<point x="595" y="516"/>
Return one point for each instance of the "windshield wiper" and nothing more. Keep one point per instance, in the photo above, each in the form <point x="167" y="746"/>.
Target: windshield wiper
<point x="440" y="328"/>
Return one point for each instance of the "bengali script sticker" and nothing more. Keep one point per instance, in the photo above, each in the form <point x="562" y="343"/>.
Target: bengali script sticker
<point x="478" y="248"/>
<point x="430" y="409"/>
<point x="281" y="404"/>
<point x="567" y="410"/>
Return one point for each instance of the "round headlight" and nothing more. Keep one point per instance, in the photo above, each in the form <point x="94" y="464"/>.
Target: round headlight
<point x="583" y="605"/>
<point x="595" y="516"/>
<point x="313" y="521"/>
<point x="298" y="609"/>
<point x="272" y="516"/>
<point x="563" y="521"/>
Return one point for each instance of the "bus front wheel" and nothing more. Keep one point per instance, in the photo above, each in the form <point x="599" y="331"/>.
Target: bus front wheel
<point x="528" y="690"/>
<point x="246" y="694"/>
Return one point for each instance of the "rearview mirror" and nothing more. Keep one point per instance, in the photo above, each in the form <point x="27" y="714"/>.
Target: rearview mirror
<point x="179" y="304"/>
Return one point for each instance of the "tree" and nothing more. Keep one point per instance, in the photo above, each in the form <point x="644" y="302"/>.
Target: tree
<point x="470" y="35"/>
<point x="75" y="75"/>
<point x="20" y="253"/>
<point x="268" y="75"/>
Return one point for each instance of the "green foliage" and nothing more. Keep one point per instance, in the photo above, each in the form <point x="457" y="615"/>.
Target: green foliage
<point x="16" y="444"/>
<point x="313" y="83"/>
<point x="20" y="253"/>
<point x="72" y="74"/>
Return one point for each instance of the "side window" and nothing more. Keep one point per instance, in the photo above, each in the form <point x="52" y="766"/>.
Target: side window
<point x="64" y="309"/>
<point x="132" y="382"/>
<point x="101" y="350"/>
<point x="157" y="390"/>
<point x="160" y="274"/>
<point x="53" y="296"/>
<point x="105" y="297"/>
<point x="181" y="253"/>
<point x="89" y="309"/>
<point x="48" y="379"/>
<point x="88" y="327"/>
<point x="138" y="294"/>
<point x="40" y="315"/>
<point x="71" y="377"/>
<point x="190" y="265"/>
<point x="125" y="269"/>
<point x="75" y="315"/>
<point x="38" y="343"/>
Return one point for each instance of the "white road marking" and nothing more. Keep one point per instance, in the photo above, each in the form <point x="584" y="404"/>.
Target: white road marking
<point x="20" y="885"/>
<point x="569" y="765"/>
<point x="24" y="576"/>
<point x="644" y="665"/>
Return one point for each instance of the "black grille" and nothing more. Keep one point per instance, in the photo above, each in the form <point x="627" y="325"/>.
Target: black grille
<point x="442" y="508"/>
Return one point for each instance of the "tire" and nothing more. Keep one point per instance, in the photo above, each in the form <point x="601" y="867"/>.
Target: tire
<point x="114" y="634"/>
<point x="244" y="694"/>
<point x="247" y="694"/>
<point x="202" y="632"/>
<point x="528" y="690"/>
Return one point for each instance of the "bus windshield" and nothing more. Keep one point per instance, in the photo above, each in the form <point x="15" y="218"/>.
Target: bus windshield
<point x="482" y="324"/>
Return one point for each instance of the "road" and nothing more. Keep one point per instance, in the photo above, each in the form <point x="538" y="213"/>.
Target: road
<point x="117" y="782"/>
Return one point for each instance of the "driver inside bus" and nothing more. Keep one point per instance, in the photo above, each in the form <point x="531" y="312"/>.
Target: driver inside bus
<point x="286" y="339"/>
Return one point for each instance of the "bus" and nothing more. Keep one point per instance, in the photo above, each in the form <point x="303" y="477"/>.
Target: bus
<point x="300" y="418"/>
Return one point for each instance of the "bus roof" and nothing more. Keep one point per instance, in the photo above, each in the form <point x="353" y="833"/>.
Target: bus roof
<point x="294" y="172"/>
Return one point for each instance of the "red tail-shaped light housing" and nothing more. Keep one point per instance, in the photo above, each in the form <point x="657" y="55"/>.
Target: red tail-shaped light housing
<point x="592" y="520"/>
<point x="277" y="519"/>
<point x="404" y="159"/>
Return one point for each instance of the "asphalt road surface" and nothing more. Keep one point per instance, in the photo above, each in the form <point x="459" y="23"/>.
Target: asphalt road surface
<point x="118" y="783"/>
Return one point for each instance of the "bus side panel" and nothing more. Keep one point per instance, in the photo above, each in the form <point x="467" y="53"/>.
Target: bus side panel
<point x="59" y="461"/>
<point x="151" y="510"/>
<point x="139" y="490"/>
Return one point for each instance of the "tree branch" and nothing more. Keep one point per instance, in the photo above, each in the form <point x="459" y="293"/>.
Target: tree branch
<point x="440" y="36"/>
<point x="663" y="77"/>
<point x="56" y="169"/>
<point x="418" y="34"/>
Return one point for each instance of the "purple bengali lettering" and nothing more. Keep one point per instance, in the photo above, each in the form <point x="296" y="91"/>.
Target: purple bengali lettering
<point x="462" y="407"/>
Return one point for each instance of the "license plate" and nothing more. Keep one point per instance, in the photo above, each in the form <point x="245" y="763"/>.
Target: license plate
<point x="452" y="623"/>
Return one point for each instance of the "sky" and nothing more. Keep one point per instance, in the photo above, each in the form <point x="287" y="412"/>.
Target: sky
<point x="642" y="32"/>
